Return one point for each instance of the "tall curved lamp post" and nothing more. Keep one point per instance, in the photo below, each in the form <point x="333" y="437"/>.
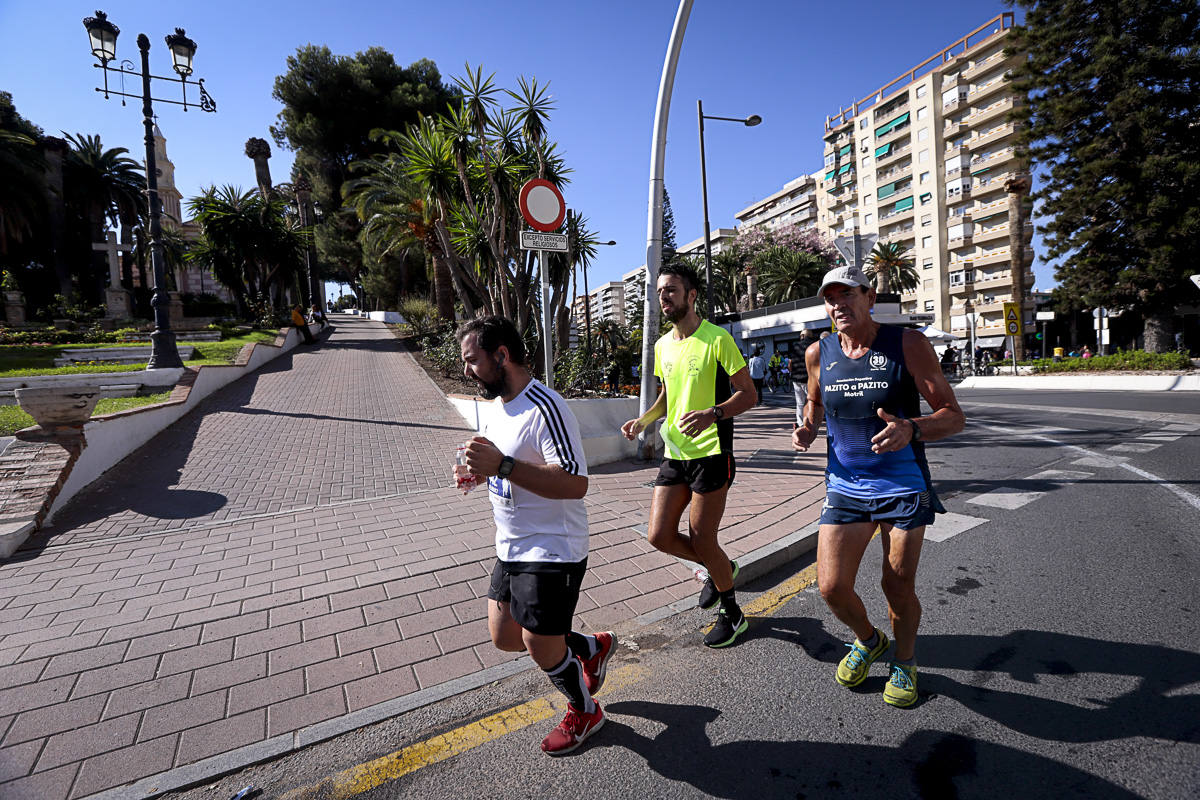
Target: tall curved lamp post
<point x="749" y="122"/>
<point x="102" y="35"/>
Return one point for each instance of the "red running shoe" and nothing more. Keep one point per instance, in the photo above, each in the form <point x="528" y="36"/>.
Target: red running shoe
<point x="573" y="731"/>
<point x="595" y="667"/>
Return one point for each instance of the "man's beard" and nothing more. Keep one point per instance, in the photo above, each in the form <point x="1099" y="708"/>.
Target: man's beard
<point x="490" y="390"/>
<point x="677" y="313"/>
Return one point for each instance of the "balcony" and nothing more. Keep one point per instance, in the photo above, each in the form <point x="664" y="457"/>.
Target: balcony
<point x="995" y="134"/>
<point x="959" y="196"/>
<point x="891" y="157"/>
<point x="899" y="172"/>
<point x="997" y="256"/>
<point x="896" y="215"/>
<point x="950" y="81"/>
<point x="980" y="67"/>
<point x="960" y="241"/>
<point x="988" y="89"/>
<point x="906" y="233"/>
<point x="994" y="232"/>
<point x="994" y="111"/>
<point x="994" y="159"/>
<point x="986" y="184"/>
<point x="900" y="131"/>
<point x="891" y="113"/>
<point x="953" y="128"/>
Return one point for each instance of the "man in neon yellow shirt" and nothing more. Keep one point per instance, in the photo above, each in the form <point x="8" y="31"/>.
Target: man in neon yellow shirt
<point x="696" y="362"/>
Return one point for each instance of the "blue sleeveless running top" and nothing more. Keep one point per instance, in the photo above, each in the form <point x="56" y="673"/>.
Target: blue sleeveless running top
<point x="853" y="389"/>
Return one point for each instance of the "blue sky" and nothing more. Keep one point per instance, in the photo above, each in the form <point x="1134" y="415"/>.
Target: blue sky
<point x="791" y="61"/>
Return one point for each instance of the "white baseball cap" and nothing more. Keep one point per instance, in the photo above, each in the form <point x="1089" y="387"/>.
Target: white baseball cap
<point x="846" y="276"/>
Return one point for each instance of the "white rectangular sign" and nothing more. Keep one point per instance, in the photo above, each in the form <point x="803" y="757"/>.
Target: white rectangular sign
<point x="532" y="240"/>
<point x="1045" y="316"/>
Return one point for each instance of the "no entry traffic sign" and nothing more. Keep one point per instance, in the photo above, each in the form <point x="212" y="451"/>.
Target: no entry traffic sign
<point x="542" y="205"/>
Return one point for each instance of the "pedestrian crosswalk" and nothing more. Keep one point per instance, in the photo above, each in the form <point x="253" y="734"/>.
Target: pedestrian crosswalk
<point x="1029" y="489"/>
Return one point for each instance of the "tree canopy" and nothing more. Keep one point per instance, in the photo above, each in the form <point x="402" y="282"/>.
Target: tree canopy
<point x="1111" y="120"/>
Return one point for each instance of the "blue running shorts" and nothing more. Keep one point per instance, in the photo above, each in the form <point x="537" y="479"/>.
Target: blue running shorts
<point x="906" y="511"/>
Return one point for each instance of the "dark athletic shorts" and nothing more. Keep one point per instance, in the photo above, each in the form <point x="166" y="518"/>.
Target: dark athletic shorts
<point x="541" y="595"/>
<point x="906" y="511"/>
<point x="702" y="475"/>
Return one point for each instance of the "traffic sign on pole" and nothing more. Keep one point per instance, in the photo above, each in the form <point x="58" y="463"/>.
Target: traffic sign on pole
<point x="555" y="242"/>
<point x="1012" y="319"/>
<point x="542" y="205"/>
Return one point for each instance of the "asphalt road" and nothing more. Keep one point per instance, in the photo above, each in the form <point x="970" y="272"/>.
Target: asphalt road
<point x="1059" y="652"/>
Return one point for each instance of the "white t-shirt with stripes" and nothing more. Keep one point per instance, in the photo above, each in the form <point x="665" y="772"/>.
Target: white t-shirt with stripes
<point x="537" y="427"/>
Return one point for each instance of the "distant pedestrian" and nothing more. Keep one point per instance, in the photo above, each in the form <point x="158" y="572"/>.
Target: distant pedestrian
<point x="758" y="372"/>
<point x="318" y="316"/>
<point x="872" y="380"/>
<point x="531" y="453"/>
<point x="800" y="373"/>
<point x="301" y="324"/>
<point x="1085" y="352"/>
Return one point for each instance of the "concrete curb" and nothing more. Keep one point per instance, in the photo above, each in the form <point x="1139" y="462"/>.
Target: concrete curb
<point x="1090" y="383"/>
<point x="753" y="565"/>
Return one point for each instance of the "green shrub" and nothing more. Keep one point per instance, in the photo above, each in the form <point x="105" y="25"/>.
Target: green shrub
<point x="443" y="351"/>
<point x="421" y="314"/>
<point x="1121" y="360"/>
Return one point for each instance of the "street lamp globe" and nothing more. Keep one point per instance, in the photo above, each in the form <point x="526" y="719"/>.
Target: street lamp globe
<point x="182" y="51"/>
<point x="103" y="36"/>
<point x="752" y="120"/>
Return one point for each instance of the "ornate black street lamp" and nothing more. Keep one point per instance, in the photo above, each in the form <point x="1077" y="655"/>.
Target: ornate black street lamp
<point x="103" y="36"/>
<point x="749" y="122"/>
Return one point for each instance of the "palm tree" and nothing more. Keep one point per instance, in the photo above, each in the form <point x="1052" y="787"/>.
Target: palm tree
<point x="104" y="185"/>
<point x="24" y="192"/>
<point x="889" y="265"/>
<point x="727" y="271"/>
<point x="785" y="274"/>
<point x="248" y="242"/>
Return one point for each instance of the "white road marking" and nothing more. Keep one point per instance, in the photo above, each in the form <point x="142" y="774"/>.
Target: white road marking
<point x="1184" y="495"/>
<point x="1009" y="498"/>
<point x="1158" y="436"/>
<point x="1133" y="447"/>
<point x="949" y="525"/>
<point x="1100" y="461"/>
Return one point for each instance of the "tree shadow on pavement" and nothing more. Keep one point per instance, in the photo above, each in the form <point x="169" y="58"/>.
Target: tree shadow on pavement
<point x="926" y="764"/>
<point x="303" y="415"/>
<point x="1155" y="707"/>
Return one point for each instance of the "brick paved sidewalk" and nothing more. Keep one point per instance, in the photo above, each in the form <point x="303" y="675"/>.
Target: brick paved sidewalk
<point x="287" y="555"/>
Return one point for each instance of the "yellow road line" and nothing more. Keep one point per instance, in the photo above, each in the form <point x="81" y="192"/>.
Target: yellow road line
<point x="363" y="777"/>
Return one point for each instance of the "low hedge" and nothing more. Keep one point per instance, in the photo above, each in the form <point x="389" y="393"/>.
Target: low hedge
<point x="1138" y="360"/>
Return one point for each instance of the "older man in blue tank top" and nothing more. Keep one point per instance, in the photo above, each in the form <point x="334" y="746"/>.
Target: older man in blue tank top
<point x="867" y="382"/>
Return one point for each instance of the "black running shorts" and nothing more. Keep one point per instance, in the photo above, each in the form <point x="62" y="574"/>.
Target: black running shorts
<point x="702" y="475"/>
<point x="541" y="595"/>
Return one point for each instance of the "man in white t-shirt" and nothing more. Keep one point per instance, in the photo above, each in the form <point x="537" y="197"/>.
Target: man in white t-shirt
<point x="758" y="371"/>
<point x="531" y="453"/>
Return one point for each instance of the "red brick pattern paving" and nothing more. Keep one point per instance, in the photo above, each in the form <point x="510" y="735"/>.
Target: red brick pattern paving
<point x="288" y="554"/>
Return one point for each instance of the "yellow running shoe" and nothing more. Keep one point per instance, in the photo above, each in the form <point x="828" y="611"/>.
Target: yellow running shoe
<point x="901" y="689"/>
<point x="854" y="667"/>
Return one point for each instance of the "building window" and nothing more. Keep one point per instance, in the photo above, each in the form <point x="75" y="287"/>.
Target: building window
<point x="927" y="264"/>
<point x="922" y="134"/>
<point x="829" y="160"/>
<point x="928" y="284"/>
<point x="923" y="156"/>
<point x="921" y="90"/>
<point x="866" y="162"/>
<point x="926" y="241"/>
<point x="922" y="112"/>
<point x="926" y="199"/>
<point x="868" y="218"/>
<point x="862" y="123"/>
<point x="926" y="220"/>
<point x="924" y="177"/>
<point x="929" y="305"/>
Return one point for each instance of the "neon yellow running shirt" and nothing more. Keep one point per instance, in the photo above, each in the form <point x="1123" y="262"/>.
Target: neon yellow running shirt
<point x="695" y="372"/>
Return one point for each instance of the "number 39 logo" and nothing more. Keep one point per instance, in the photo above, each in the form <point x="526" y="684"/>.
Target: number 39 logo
<point x="878" y="361"/>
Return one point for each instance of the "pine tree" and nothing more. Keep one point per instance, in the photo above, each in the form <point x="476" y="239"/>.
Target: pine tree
<point x="668" y="229"/>
<point x="1112" y="122"/>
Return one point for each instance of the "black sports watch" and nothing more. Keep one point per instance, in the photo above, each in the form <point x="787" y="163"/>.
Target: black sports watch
<point x="916" y="430"/>
<point x="506" y="466"/>
<point x="718" y="412"/>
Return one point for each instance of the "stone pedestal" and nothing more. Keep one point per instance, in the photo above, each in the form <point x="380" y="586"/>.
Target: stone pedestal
<point x="175" y="311"/>
<point x="14" y="309"/>
<point x="118" y="303"/>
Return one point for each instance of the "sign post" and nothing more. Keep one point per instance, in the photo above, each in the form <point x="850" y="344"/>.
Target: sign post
<point x="543" y="207"/>
<point x="1012" y="326"/>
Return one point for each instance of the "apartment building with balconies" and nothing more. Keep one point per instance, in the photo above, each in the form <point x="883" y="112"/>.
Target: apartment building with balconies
<point x="926" y="161"/>
<point x="794" y="204"/>
<point x="605" y="302"/>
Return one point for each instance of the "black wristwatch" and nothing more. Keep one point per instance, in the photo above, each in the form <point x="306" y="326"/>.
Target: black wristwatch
<point x="718" y="412"/>
<point x="506" y="466"/>
<point x="916" y="430"/>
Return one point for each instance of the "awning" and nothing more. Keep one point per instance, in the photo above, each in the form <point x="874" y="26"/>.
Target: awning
<point x="844" y="169"/>
<point x="897" y="122"/>
<point x="888" y="190"/>
<point x="980" y="171"/>
<point x="844" y="151"/>
<point x="989" y="341"/>
<point x="904" y="204"/>
<point x="830" y="174"/>
<point x="926" y="197"/>
<point x="885" y="150"/>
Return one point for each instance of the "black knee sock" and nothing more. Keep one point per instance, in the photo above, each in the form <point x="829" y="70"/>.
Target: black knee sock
<point x="730" y="604"/>
<point x="567" y="677"/>
<point x="582" y="645"/>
